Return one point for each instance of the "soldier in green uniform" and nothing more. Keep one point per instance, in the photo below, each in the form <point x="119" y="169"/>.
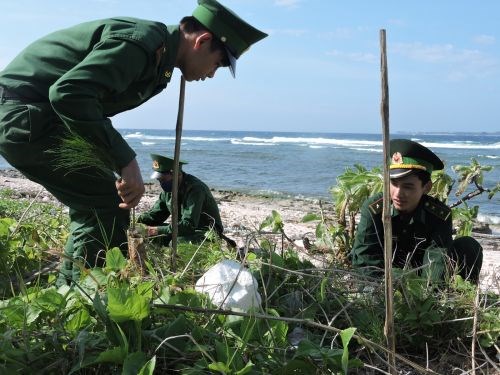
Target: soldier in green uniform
<point x="421" y="225"/>
<point x="198" y="211"/>
<point x="75" y="80"/>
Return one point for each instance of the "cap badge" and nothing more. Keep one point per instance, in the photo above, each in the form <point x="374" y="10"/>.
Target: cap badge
<point x="156" y="165"/>
<point x="397" y="158"/>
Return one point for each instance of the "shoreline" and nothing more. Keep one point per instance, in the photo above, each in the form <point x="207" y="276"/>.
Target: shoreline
<point x="242" y="214"/>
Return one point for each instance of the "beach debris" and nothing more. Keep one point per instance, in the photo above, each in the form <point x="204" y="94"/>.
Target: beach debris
<point x="229" y="285"/>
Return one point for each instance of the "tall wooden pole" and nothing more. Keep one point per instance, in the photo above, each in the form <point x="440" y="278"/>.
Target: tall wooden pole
<point x="175" y="186"/>
<point x="389" y="307"/>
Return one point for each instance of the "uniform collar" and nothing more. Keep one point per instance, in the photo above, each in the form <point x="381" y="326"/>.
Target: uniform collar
<point x="418" y="214"/>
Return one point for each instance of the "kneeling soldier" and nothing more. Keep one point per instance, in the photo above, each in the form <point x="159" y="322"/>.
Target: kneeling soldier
<point x="421" y="225"/>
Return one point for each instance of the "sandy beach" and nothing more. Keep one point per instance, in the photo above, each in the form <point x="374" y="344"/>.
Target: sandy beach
<point x="242" y="214"/>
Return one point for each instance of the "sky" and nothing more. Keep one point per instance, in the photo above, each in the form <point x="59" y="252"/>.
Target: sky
<point x="319" y="68"/>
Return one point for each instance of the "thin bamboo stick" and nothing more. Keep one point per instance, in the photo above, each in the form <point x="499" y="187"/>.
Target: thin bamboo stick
<point x="175" y="187"/>
<point x="389" y="307"/>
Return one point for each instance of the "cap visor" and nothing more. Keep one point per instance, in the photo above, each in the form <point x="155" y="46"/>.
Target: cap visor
<point x="398" y="173"/>
<point x="155" y="175"/>
<point x="232" y="62"/>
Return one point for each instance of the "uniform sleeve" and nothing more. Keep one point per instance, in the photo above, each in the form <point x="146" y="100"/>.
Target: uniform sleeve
<point x="368" y="243"/>
<point x="191" y="212"/>
<point x="77" y="95"/>
<point x="157" y="215"/>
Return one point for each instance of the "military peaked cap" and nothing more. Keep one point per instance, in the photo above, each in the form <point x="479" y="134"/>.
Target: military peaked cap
<point x="236" y="34"/>
<point x="408" y="156"/>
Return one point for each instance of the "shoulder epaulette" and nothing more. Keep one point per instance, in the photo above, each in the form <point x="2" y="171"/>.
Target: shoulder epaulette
<point x="437" y="208"/>
<point x="377" y="206"/>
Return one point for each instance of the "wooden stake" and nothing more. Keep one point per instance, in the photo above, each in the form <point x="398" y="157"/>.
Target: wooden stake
<point x="389" y="307"/>
<point x="175" y="186"/>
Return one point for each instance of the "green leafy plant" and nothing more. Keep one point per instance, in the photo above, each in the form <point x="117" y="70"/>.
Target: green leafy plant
<point x="464" y="218"/>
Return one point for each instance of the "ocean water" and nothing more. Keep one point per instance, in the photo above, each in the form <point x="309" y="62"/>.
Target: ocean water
<point x="305" y="164"/>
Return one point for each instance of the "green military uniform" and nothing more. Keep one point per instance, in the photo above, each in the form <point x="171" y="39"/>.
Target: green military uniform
<point x="198" y="209"/>
<point x="427" y="230"/>
<point x="429" y="225"/>
<point x="56" y="81"/>
<point x="75" y="79"/>
<point x="198" y="212"/>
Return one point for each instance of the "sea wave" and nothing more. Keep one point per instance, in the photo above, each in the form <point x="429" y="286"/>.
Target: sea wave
<point x="488" y="219"/>
<point x="134" y="135"/>
<point x="366" y="149"/>
<point x="149" y="137"/>
<point x="314" y="141"/>
<point x="357" y="144"/>
<point x="463" y="144"/>
<point x="148" y="143"/>
<point x="240" y="142"/>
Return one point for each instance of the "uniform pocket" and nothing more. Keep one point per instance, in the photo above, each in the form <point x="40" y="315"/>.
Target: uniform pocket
<point x="14" y="123"/>
<point x="41" y="120"/>
<point x="24" y="123"/>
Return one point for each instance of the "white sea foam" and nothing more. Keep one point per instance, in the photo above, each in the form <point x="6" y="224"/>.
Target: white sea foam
<point x="240" y="142"/>
<point x="315" y="141"/>
<point x="149" y="137"/>
<point x="463" y="144"/>
<point x="134" y="135"/>
<point x="488" y="219"/>
<point x="148" y="143"/>
<point x="366" y="149"/>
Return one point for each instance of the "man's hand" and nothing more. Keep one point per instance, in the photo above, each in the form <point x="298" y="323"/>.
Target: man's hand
<point x="152" y="231"/>
<point x="130" y="186"/>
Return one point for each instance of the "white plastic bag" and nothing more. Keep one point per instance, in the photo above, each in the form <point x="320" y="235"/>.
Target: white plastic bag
<point x="218" y="282"/>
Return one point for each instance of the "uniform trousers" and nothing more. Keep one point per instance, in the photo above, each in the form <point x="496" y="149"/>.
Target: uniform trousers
<point x="27" y="132"/>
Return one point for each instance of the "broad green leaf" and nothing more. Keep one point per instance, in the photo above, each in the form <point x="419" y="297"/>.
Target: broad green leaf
<point x="133" y="363"/>
<point x="14" y="312"/>
<point x="220" y="367"/>
<point x="116" y="355"/>
<point x="306" y="348"/>
<point x="115" y="259"/>
<point x="78" y="320"/>
<point x="146" y="289"/>
<point x="49" y="301"/>
<point x="112" y="330"/>
<point x="124" y="304"/>
<point x="164" y="296"/>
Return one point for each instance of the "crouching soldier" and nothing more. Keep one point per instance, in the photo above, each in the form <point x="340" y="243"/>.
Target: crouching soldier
<point x="198" y="210"/>
<point x="421" y="225"/>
